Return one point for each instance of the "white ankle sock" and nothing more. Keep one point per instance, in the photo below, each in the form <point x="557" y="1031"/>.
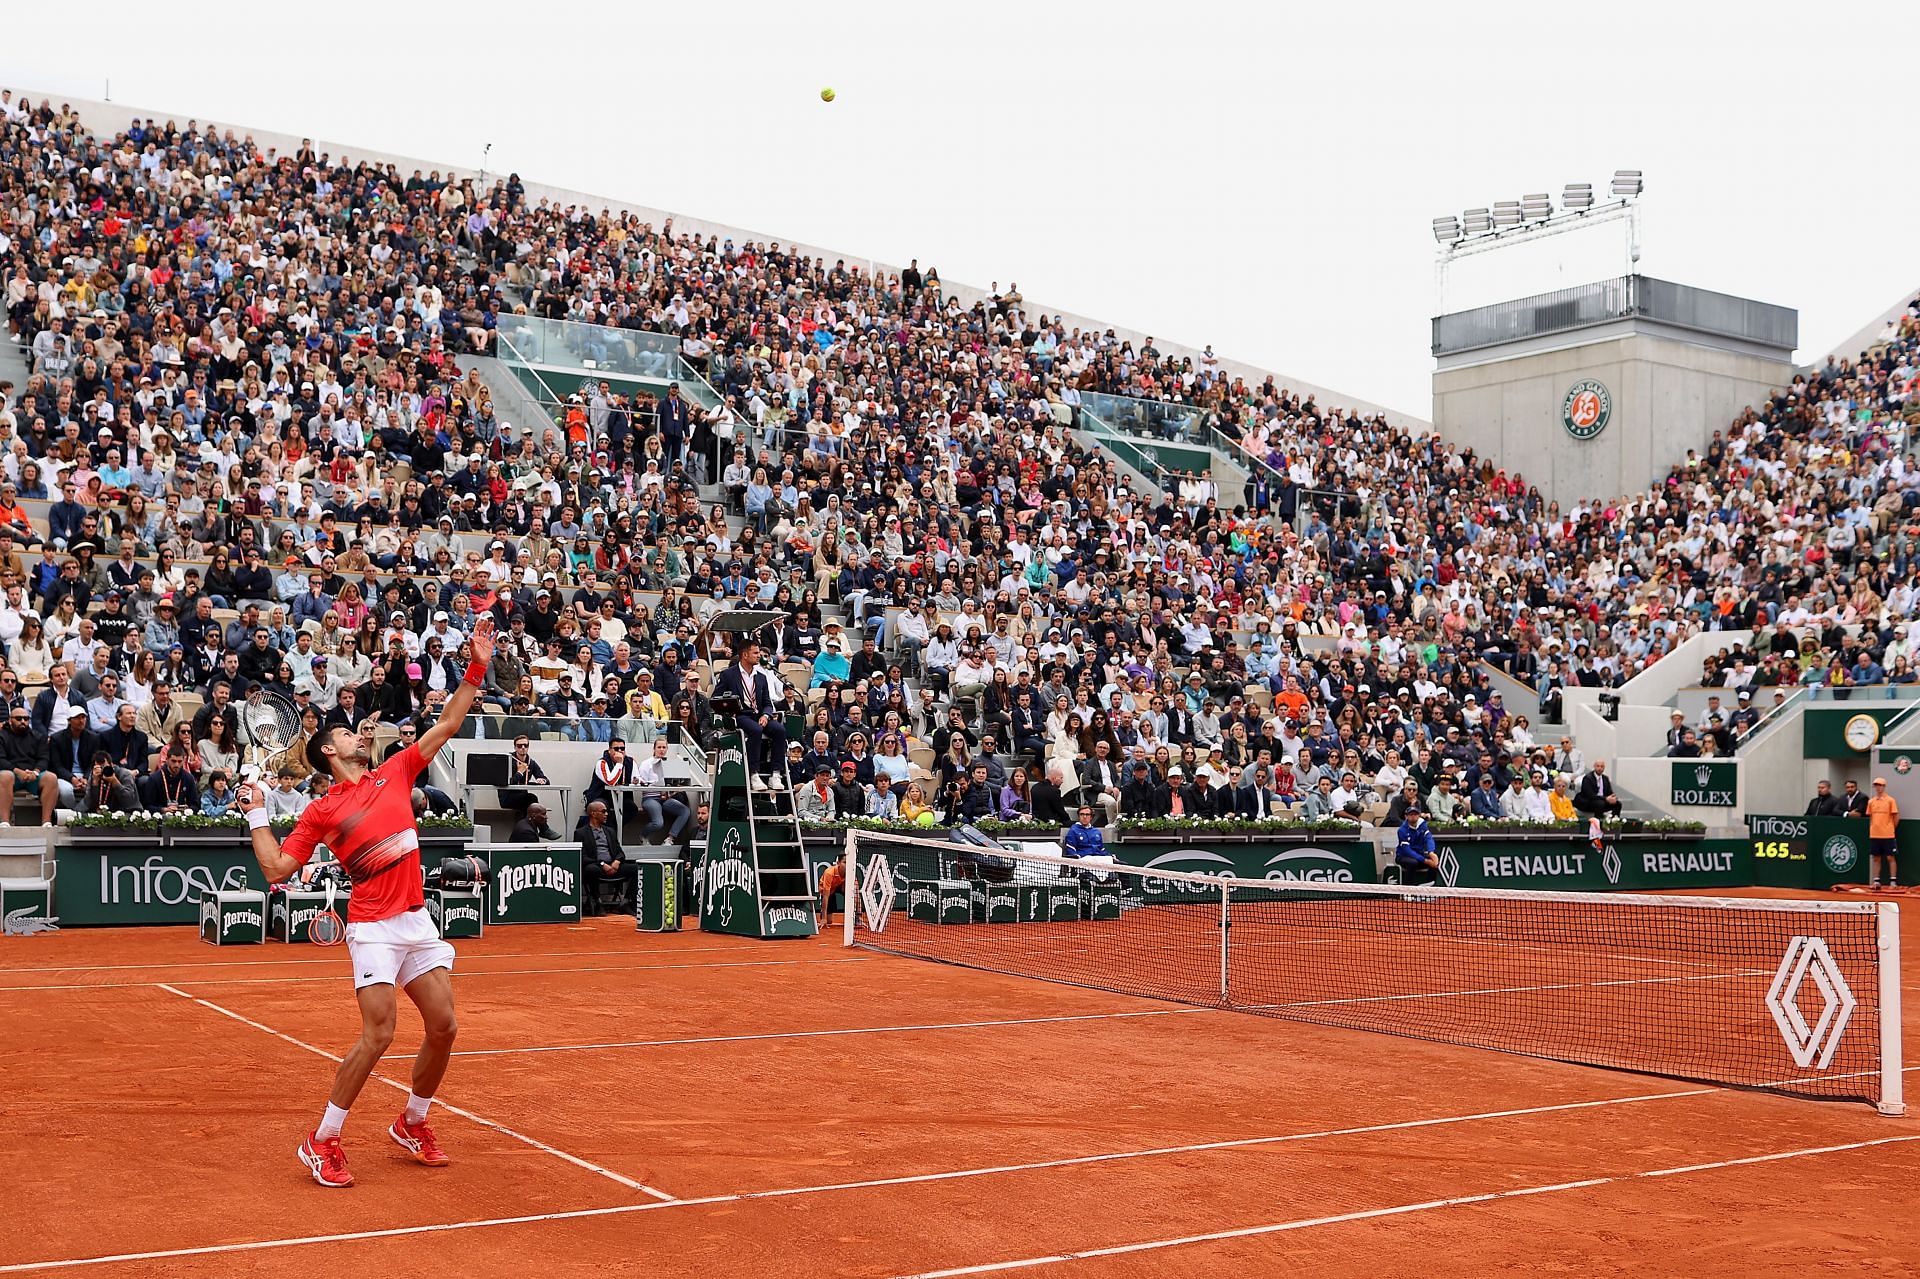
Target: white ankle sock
<point x="332" y="1122"/>
<point x="417" y="1108"/>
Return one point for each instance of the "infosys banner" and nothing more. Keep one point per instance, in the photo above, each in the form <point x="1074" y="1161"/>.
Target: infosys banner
<point x="1332" y="862"/>
<point x="134" y="885"/>
<point x="1808" y="852"/>
<point x="1621" y="866"/>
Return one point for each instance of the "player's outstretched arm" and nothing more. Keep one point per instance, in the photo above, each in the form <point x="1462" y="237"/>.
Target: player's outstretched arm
<point x="274" y="864"/>
<point x="461" y="702"/>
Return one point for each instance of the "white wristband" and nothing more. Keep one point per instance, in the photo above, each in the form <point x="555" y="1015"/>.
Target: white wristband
<point x="257" y="819"/>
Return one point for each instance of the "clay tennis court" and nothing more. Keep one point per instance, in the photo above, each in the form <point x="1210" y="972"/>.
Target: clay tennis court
<point x="687" y="1104"/>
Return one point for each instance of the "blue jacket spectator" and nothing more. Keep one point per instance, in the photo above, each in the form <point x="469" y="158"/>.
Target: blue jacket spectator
<point x="63" y="518"/>
<point x="1486" y="800"/>
<point x="1084" y="840"/>
<point x="310" y="605"/>
<point x="1416" y="842"/>
<point x="832" y="664"/>
<point x="1415" y="853"/>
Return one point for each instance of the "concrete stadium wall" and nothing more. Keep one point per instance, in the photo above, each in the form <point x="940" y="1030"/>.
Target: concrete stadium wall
<point x="1668" y="396"/>
<point x="1651" y="779"/>
<point x="1659" y="683"/>
<point x="1776" y="777"/>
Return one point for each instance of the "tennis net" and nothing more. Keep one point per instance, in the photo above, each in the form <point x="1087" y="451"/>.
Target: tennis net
<point x="1798" y="996"/>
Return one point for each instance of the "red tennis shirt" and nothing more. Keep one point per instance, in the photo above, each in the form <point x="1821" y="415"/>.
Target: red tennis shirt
<point x="369" y="827"/>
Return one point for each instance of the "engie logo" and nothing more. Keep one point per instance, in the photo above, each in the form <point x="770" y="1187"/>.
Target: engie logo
<point x="1586" y="409"/>
<point x="1318" y="865"/>
<point x="1191" y="861"/>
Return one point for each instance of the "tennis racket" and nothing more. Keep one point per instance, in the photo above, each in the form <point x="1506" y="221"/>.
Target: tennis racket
<point x="268" y="724"/>
<point x="326" y="928"/>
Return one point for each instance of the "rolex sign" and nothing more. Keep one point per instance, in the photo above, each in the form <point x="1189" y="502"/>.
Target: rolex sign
<point x="1706" y="783"/>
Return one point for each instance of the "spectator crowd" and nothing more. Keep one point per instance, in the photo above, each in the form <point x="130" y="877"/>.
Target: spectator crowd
<point x="266" y="475"/>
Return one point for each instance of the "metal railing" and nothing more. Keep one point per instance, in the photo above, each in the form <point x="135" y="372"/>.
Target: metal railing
<point x="1150" y="419"/>
<point x="523" y="372"/>
<point x="1604" y="301"/>
<point x="598" y="350"/>
<point x="1127" y="451"/>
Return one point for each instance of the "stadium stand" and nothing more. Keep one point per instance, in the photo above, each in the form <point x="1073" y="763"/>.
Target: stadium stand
<point x="271" y="382"/>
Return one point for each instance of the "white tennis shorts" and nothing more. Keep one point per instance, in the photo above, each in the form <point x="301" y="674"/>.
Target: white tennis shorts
<point x="397" y="950"/>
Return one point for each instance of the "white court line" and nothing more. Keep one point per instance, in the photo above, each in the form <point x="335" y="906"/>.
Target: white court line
<point x="542" y="1146"/>
<point x="464" y="975"/>
<point x="1520" y="990"/>
<point x="917" y="1179"/>
<point x="1565" y="950"/>
<point x="1399" y="1210"/>
<point x="1372" y="941"/>
<point x="816" y="1034"/>
<point x="263" y="963"/>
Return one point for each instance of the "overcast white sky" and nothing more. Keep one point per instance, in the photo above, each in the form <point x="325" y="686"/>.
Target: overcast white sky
<point x="1256" y="175"/>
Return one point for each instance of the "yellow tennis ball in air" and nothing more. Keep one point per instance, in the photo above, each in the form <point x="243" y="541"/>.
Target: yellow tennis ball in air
<point x="826" y="95"/>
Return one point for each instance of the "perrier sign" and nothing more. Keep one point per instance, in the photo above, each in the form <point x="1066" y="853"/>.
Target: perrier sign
<point x="729" y="889"/>
<point x="1706" y="783"/>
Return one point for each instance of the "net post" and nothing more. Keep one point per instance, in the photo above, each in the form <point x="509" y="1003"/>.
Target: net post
<point x="851" y="891"/>
<point x="1892" y="1092"/>
<point x="1226" y="924"/>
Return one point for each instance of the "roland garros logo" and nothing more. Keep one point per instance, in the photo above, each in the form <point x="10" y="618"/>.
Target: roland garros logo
<point x="1586" y="409"/>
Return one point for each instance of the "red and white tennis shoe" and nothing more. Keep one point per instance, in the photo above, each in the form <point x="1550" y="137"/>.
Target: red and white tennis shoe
<point x="325" y="1160"/>
<point x="418" y="1140"/>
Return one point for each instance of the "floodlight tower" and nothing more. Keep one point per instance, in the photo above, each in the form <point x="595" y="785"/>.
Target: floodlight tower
<point x="1506" y="223"/>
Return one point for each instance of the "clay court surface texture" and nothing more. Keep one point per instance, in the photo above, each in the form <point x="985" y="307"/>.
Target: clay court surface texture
<point x="690" y="1104"/>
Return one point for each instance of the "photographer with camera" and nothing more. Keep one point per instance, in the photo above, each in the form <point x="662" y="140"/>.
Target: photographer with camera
<point x="108" y="789"/>
<point x="970" y="797"/>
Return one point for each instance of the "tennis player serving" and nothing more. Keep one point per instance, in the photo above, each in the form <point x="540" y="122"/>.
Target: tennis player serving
<point x="366" y="819"/>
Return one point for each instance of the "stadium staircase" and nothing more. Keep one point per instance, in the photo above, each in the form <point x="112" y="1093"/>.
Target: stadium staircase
<point x="1139" y="470"/>
<point x="780" y="856"/>
<point x="513" y="404"/>
<point x="13" y="363"/>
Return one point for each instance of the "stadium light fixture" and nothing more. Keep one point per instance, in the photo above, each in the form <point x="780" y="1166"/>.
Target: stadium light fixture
<point x="1476" y="222"/>
<point x="1627" y="183"/>
<point x="1536" y="208"/>
<point x="1577" y="197"/>
<point x="1446" y="230"/>
<point x="1506" y="213"/>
